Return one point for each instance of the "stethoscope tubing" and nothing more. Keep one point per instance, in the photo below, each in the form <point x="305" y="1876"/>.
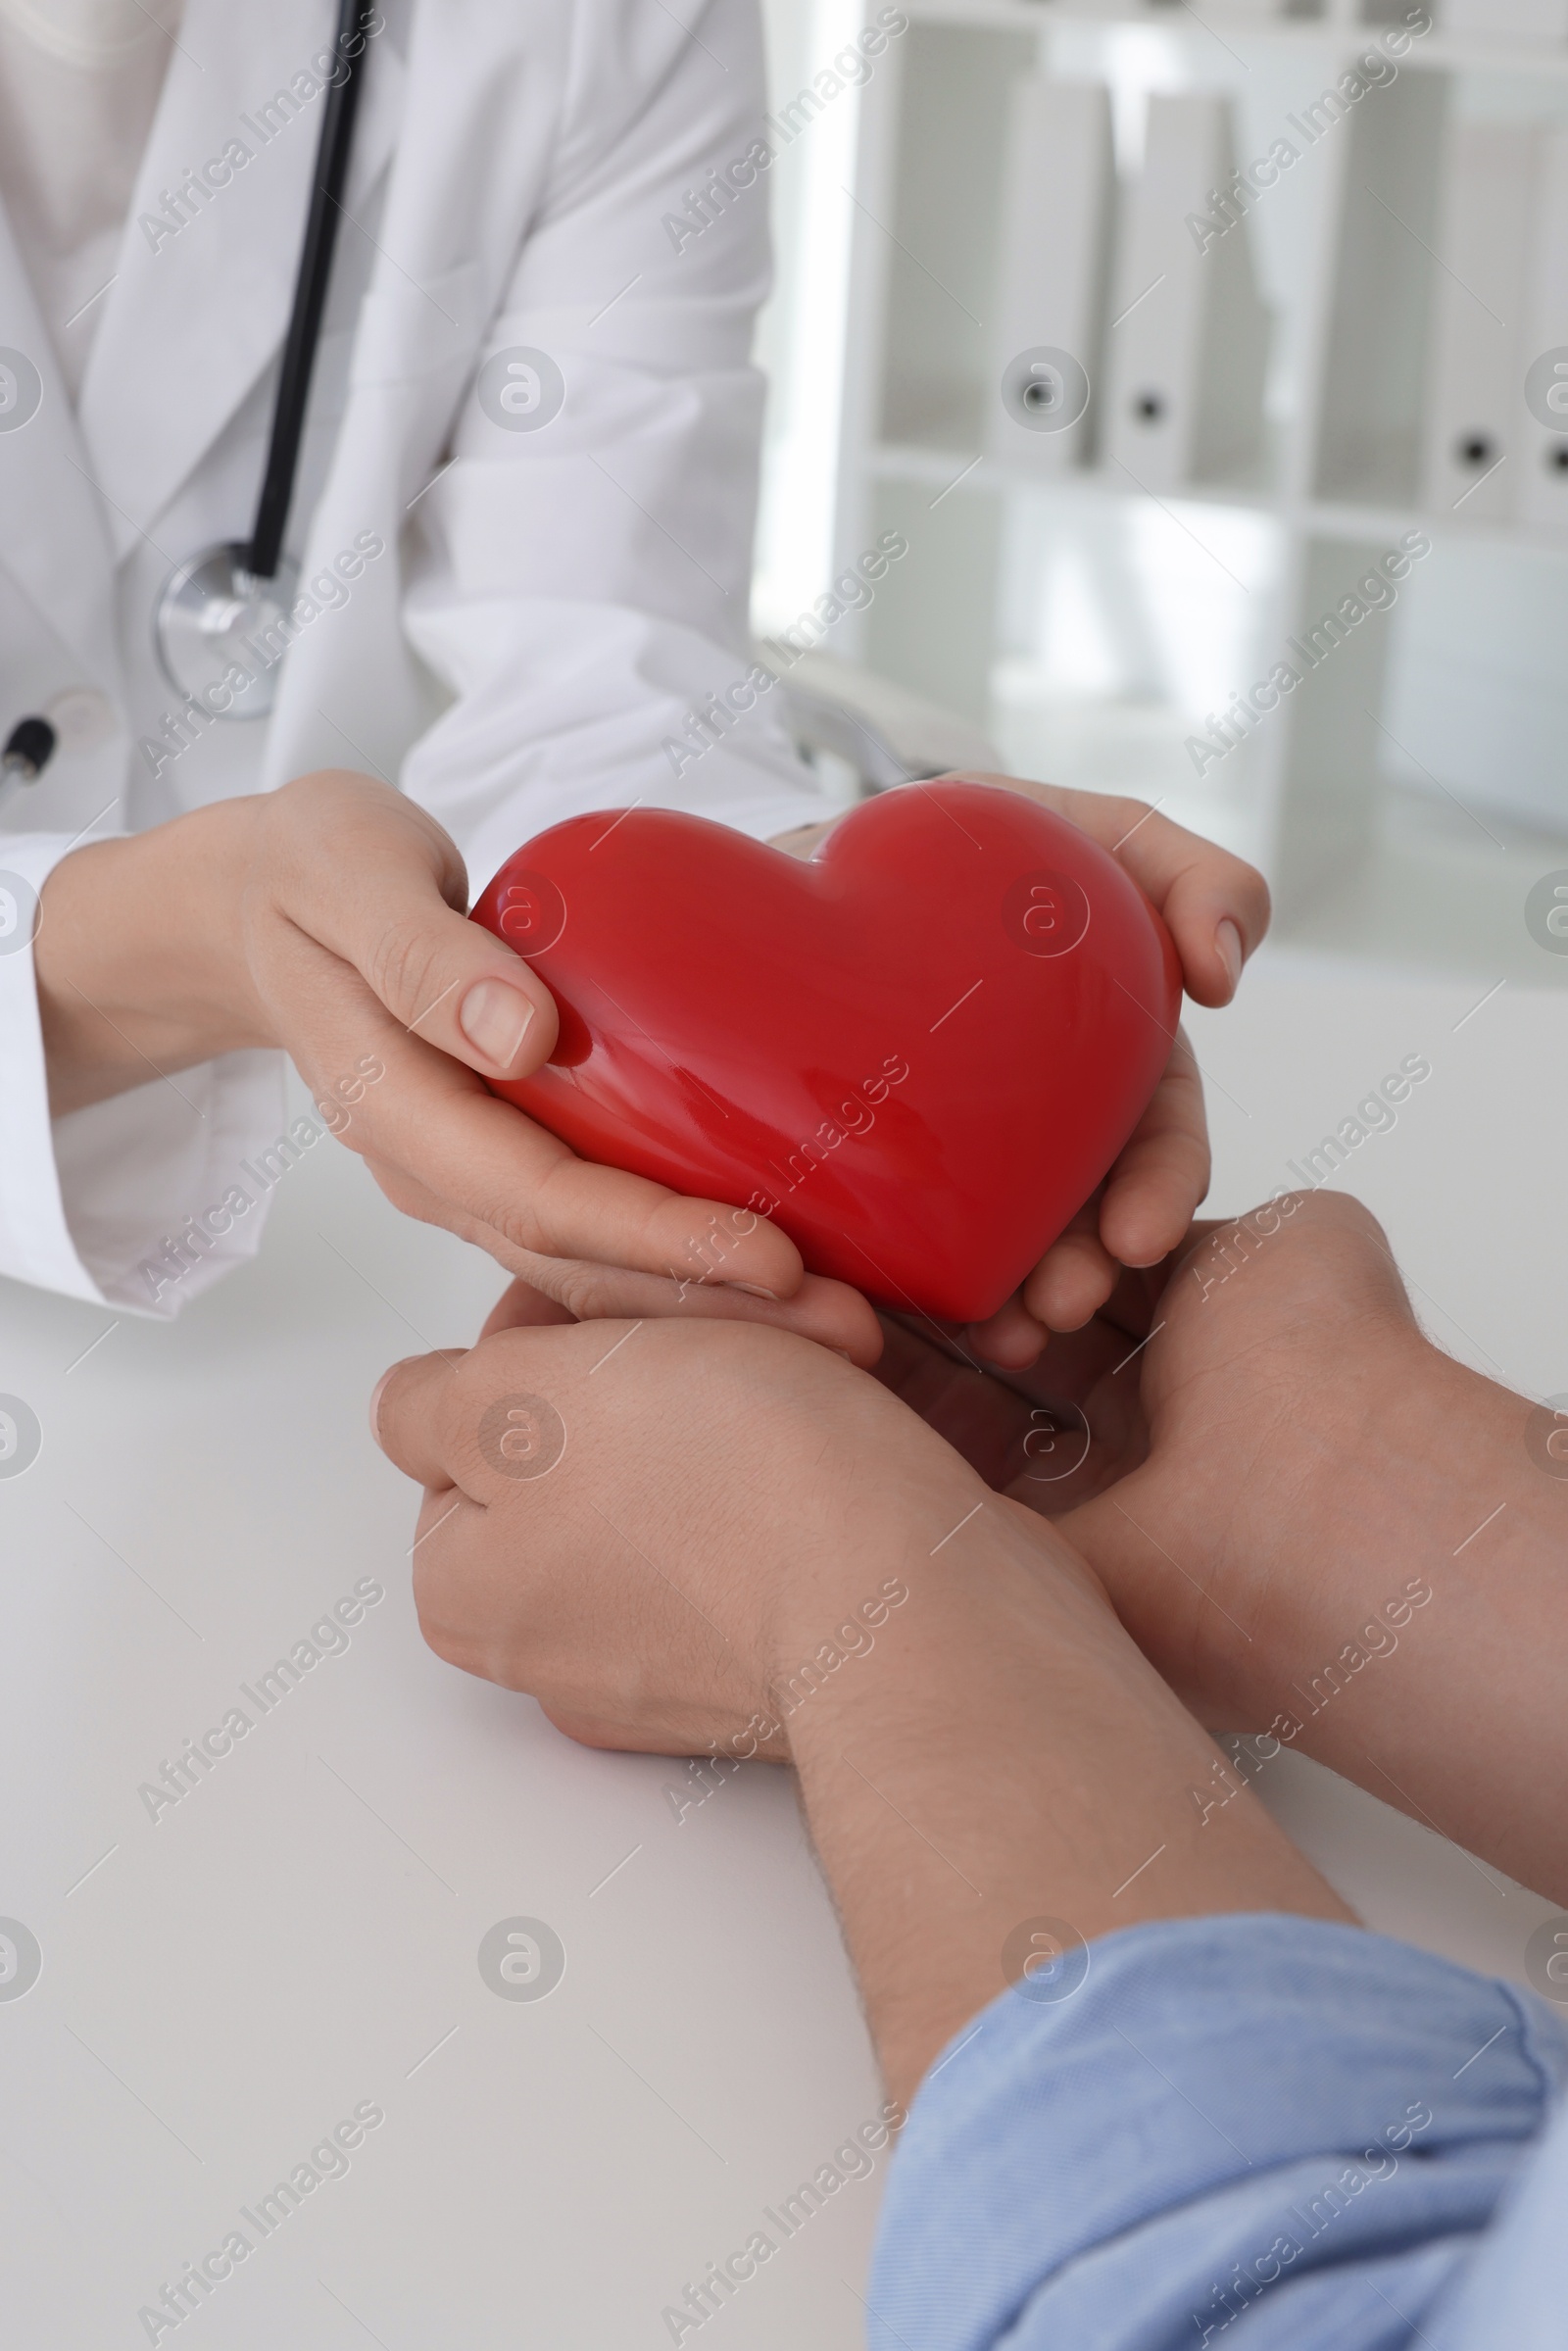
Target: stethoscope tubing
<point x="303" y="338"/>
<point x="254" y="564"/>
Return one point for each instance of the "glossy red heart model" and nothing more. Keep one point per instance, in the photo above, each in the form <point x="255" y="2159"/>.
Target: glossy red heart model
<point x="918" y="1052"/>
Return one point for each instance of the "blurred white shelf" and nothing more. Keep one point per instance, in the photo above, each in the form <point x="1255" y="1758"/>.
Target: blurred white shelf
<point x="1337" y="34"/>
<point x="1164" y="606"/>
<point x="949" y="469"/>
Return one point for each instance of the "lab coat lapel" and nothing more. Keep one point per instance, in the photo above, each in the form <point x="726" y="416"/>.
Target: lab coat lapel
<point x="54" y="543"/>
<point x="202" y="295"/>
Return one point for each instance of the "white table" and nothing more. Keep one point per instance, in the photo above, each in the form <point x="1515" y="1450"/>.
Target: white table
<point x="222" y="1985"/>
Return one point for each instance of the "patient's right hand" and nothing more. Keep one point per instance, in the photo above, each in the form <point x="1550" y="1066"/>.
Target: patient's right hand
<point x="646" y="1525"/>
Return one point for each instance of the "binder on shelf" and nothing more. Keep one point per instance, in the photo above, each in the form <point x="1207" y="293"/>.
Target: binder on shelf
<point x="1542" y="485"/>
<point x="1473" y="439"/>
<point x="1186" y="339"/>
<point x="1059" y="194"/>
<point x="1506" y="19"/>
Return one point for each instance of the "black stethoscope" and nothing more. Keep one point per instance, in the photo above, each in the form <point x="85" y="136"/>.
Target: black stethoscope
<point x="214" y="607"/>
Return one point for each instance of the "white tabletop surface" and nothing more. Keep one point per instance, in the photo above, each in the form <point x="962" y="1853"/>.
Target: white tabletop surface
<point x="300" y="1934"/>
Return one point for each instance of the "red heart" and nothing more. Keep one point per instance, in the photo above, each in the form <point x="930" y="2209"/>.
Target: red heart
<point x="917" y="1052"/>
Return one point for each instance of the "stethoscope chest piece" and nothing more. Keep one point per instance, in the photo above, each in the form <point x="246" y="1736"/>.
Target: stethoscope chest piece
<point x="221" y="632"/>
<point x="226" y="617"/>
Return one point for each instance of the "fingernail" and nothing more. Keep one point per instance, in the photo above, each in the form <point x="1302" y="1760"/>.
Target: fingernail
<point x="756" y="1289"/>
<point x="494" y="1020"/>
<point x="1228" y="944"/>
<point x="375" y="1402"/>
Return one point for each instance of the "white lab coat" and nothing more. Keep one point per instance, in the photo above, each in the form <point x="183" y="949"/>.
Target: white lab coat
<point x="545" y="612"/>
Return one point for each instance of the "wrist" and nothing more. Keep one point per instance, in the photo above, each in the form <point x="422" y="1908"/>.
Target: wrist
<point x="1424" y="1452"/>
<point x="846" y="1602"/>
<point x="1008" y="1762"/>
<point x="139" y="959"/>
<point x="1425" y="1610"/>
<point x="215" y="857"/>
<point x="915" y="1629"/>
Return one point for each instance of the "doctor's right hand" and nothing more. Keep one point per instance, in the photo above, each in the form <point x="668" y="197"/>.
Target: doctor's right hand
<point x="329" y="918"/>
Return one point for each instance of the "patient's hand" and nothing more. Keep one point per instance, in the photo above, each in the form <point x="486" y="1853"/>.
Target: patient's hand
<point x="646" y="1525"/>
<point x="1315" y="1523"/>
<point x="1216" y="909"/>
<point x="683" y="1537"/>
<point x="1223" y="1399"/>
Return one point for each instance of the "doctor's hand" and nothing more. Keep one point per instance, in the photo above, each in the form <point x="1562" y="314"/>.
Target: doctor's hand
<point x="1216" y="909"/>
<point x="329" y="918"/>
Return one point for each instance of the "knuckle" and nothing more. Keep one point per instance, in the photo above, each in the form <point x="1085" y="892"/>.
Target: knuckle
<point x="401" y="967"/>
<point x="443" y="1639"/>
<point x="1355" y="1217"/>
<point x="292" y="801"/>
<point x="541" y="1222"/>
<point x="583" y="1290"/>
<point x="353" y="1136"/>
<point x="1246" y="885"/>
<point x="526" y="1233"/>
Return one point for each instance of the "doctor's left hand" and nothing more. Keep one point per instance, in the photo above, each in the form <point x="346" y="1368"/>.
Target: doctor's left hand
<point x="329" y="918"/>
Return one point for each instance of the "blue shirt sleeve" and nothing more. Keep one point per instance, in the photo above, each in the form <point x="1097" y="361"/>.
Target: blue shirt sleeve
<point x="1269" y="2131"/>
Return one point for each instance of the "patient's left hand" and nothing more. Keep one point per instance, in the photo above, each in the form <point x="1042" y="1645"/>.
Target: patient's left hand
<point x="1216" y="909"/>
<point x="1227" y="1441"/>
